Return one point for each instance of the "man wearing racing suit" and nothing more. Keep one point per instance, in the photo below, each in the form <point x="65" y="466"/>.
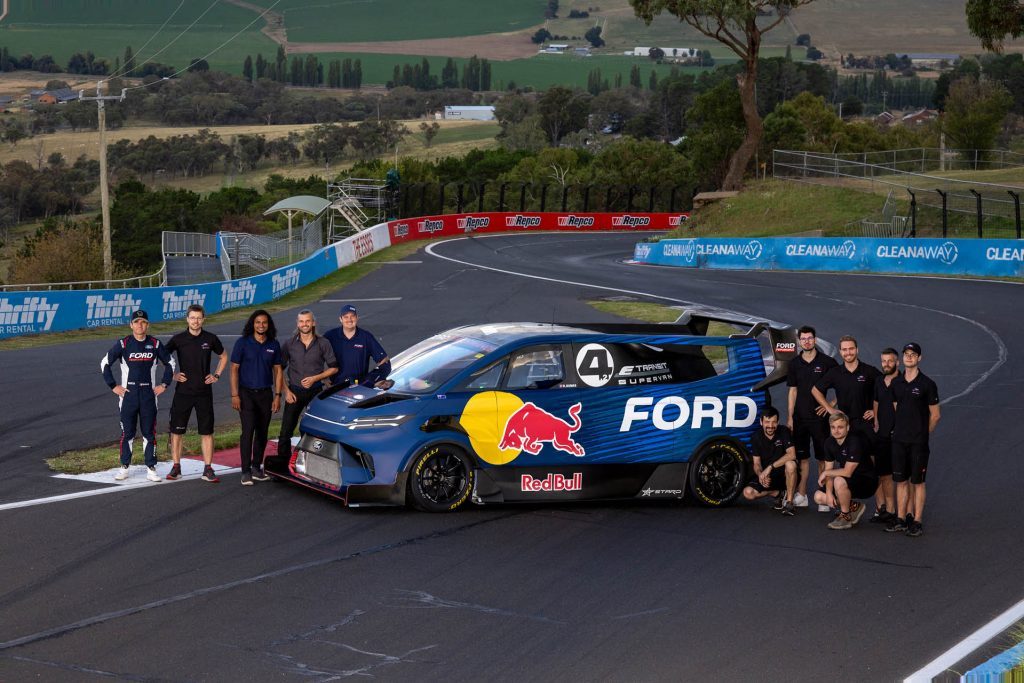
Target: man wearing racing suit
<point x="138" y="354"/>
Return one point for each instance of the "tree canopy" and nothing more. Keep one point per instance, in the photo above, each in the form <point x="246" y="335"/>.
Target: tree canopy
<point x="993" y="21"/>
<point x="740" y="26"/>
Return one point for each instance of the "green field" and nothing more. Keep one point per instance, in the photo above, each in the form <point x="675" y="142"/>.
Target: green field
<point x="105" y="27"/>
<point x="336" y="21"/>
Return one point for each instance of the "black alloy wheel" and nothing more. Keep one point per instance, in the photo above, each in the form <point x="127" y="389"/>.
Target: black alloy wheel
<point x="442" y="479"/>
<point x="718" y="473"/>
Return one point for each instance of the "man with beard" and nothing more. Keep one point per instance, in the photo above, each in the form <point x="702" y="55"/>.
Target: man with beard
<point x="885" y="418"/>
<point x="775" y="463"/>
<point x="807" y="419"/>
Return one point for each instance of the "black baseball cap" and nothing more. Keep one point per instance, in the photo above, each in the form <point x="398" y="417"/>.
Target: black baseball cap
<point x="912" y="346"/>
<point x="347" y="308"/>
<point x="140" y="315"/>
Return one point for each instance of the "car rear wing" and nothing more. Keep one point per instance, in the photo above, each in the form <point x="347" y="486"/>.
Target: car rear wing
<point x="781" y="338"/>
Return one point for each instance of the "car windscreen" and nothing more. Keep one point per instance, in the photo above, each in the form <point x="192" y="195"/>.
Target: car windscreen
<point x="429" y="364"/>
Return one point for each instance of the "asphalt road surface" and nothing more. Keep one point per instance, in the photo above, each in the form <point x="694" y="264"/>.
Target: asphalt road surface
<point x="187" y="581"/>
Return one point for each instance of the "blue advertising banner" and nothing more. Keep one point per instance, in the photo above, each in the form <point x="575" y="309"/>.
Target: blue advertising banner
<point x="35" y="312"/>
<point x="991" y="258"/>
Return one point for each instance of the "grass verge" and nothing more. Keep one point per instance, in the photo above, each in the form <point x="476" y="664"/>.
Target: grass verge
<point x="299" y="297"/>
<point x="104" y="457"/>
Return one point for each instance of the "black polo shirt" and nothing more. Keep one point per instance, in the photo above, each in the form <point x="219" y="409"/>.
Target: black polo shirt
<point x="194" y="351"/>
<point x="851" y="450"/>
<point x="913" y="400"/>
<point x="855" y="391"/>
<point x="770" y="450"/>
<point x="886" y="412"/>
<point x="804" y="376"/>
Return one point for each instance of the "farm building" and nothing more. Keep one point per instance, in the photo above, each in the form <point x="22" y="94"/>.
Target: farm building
<point x="670" y="52"/>
<point x="919" y="117"/>
<point x="469" y="113"/>
<point x="556" y="48"/>
<point x="54" y="96"/>
<point x="930" y="59"/>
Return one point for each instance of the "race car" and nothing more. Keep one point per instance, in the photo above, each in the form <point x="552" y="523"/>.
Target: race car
<point x="529" y="412"/>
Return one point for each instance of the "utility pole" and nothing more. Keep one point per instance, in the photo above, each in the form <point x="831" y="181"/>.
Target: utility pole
<point x="101" y="112"/>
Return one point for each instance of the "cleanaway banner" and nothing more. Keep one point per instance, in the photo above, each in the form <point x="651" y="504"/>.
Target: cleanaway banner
<point x="978" y="257"/>
<point x="52" y="311"/>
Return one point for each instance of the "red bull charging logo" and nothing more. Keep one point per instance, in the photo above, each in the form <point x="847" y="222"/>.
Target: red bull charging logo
<point x="501" y="427"/>
<point x="530" y="427"/>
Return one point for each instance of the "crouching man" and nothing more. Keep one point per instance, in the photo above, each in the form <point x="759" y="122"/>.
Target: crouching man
<point x="849" y="475"/>
<point x="774" y="463"/>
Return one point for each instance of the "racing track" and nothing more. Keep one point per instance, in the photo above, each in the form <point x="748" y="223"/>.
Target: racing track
<point x="190" y="582"/>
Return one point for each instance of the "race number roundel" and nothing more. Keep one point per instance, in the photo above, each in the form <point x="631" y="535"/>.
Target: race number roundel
<point x="594" y="365"/>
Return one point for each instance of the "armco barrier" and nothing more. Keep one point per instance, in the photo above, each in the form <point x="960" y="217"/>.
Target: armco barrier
<point x="52" y="311"/>
<point x="34" y="312"/>
<point x="452" y="225"/>
<point x="987" y="258"/>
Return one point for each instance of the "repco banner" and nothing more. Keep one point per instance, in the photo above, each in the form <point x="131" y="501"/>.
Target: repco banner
<point x="453" y="225"/>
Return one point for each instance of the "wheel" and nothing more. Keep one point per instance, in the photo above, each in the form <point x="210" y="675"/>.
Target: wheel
<point x="717" y="473"/>
<point x="441" y="479"/>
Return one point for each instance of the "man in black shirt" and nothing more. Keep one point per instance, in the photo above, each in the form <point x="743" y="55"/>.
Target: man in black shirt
<point x="775" y="463"/>
<point x="807" y="419"/>
<point x="849" y="476"/>
<point x="885" y="417"/>
<point x="195" y="388"/>
<point x="916" y="398"/>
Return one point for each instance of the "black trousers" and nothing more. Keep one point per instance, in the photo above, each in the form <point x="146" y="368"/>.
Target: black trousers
<point x="292" y="413"/>
<point x="256" y="410"/>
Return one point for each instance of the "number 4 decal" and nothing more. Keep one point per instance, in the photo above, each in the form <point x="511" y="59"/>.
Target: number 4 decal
<point x="594" y="365"/>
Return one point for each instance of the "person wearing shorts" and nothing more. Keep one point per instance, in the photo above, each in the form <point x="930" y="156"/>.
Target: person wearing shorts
<point x="885" y="416"/>
<point x="807" y="419"/>
<point x="775" y="464"/>
<point x="194" y="390"/>
<point x="849" y="476"/>
<point x="916" y="399"/>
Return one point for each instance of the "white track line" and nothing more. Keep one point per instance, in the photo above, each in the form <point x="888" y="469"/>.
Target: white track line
<point x="968" y="645"/>
<point x="113" y="488"/>
<point x="338" y="301"/>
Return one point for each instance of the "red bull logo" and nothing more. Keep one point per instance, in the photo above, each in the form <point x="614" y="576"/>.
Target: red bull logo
<point x="553" y="482"/>
<point x="530" y="427"/>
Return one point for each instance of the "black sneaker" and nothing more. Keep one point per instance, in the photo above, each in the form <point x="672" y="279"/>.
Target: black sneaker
<point x="259" y="475"/>
<point x="881" y="516"/>
<point x="915" y="529"/>
<point x="780" y="502"/>
<point x="897" y="525"/>
<point x="175" y="472"/>
<point x="209" y="475"/>
<point x="246" y="479"/>
<point x="787" y="509"/>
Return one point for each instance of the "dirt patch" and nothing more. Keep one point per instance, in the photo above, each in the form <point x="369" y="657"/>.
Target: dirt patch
<point x="274" y="21"/>
<point x="493" y="46"/>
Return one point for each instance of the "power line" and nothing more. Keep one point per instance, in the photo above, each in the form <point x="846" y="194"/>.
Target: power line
<point x="219" y="47"/>
<point x="175" y="39"/>
<point x="124" y="67"/>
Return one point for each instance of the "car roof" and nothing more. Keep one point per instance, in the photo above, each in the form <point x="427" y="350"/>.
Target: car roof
<point x="500" y="334"/>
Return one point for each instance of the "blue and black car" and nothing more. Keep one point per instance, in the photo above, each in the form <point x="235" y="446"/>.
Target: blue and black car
<point x="529" y="412"/>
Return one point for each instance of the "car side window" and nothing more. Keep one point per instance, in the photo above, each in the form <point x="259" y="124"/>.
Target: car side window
<point x="536" y="369"/>
<point x="488" y="378"/>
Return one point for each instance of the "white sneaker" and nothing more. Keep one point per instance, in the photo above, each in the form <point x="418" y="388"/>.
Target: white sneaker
<point x="799" y="500"/>
<point x="824" y="508"/>
<point x="152" y="475"/>
<point x="122" y="474"/>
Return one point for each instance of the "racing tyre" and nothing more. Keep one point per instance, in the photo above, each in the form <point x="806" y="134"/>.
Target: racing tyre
<point x="441" y="479"/>
<point x="717" y="474"/>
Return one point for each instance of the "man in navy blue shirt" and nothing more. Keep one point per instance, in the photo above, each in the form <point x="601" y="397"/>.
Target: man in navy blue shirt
<point x="354" y="348"/>
<point x="257" y="380"/>
<point x="138" y="354"/>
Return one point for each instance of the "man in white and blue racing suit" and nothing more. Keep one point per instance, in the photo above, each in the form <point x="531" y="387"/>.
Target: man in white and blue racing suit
<point x="137" y="355"/>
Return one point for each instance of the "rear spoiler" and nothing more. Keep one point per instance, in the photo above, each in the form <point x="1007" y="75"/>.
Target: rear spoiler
<point x="781" y="337"/>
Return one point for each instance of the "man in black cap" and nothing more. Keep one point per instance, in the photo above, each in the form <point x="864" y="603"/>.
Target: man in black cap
<point x="916" y="398"/>
<point x="354" y="347"/>
<point x="138" y="354"/>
